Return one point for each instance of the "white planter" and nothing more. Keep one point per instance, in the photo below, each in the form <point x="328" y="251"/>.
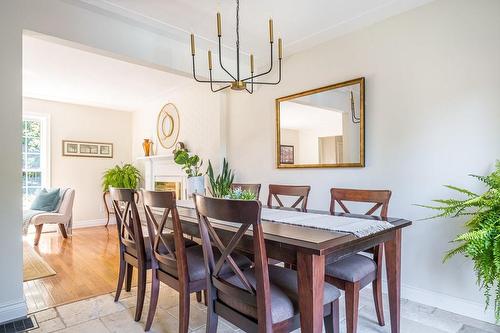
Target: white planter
<point x="195" y="185"/>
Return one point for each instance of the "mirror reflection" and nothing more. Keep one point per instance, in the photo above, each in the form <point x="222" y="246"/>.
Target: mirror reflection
<point x="322" y="127"/>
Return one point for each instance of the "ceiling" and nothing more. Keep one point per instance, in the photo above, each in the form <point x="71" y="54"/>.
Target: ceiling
<point x="61" y="73"/>
<point x="301" y="23"/>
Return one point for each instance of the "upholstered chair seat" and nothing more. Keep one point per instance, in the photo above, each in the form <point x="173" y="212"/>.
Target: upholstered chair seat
<point x="284" y="293"/>
<point x="168" y="238"/>
<point x="196" y="263"/>
<point x="354" y="268"/>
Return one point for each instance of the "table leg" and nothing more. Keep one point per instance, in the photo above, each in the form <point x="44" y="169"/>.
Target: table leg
<point x="393" y="266"/>
<point x="311" y="279"/>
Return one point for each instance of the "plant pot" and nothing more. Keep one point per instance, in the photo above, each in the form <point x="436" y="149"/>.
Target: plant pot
<point x="195" y="185"/>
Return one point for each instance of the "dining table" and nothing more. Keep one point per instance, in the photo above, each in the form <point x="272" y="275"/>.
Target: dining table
<point x="310" y="249"/>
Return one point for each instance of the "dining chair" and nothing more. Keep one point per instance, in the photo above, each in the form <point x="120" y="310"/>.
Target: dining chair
<point x="353" y="273"/>
<point x="178" y="263"/>
<point x="254" y="188"/>
<point x="263" y="298"/>
<point x="135" y="248"/>
<point x="132" y="245"/>
<point x="300" y="191"/>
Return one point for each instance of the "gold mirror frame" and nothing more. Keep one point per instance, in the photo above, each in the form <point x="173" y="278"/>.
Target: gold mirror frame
<point x="173" y="131"/>
<point x="361" y="164"/>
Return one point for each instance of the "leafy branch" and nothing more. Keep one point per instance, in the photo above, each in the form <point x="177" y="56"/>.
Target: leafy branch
<point x="481" y="242"/>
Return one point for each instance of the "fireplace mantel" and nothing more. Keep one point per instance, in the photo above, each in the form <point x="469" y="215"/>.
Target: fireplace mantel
<point x="162" y="168"/>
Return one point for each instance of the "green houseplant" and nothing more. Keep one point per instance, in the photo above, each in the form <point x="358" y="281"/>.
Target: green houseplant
<point x="481" y="241"/>
<point x="191" y="165"/>
<point x="125" y="176"/>
<point x="220" y="186"/>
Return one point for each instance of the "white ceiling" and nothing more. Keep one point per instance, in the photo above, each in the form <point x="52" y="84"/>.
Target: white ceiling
<point x="61" y="73"/>
<point x="301" y="23"/>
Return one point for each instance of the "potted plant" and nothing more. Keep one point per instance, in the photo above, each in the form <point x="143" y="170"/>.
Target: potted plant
<point x="481" y="241"/>
<point x="191" y="165"/>
<point x="125" y="176"/>
<point x="220" y="186"/>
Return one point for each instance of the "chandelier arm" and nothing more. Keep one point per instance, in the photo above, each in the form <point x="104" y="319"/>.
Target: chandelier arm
<point x="266" y="72"/>
<point x="212" y="87"/>
<point x="271" y="83"/>
<point x="220" y="60"/>
<point x="205" y="81"/>
<point x="250" y="91"/>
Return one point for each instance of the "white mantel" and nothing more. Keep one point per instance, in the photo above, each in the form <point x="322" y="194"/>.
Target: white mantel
<point x="162" y="168"/>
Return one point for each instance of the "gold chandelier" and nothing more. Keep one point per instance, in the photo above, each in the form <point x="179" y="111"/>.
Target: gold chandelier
<point x="237" y="82"/>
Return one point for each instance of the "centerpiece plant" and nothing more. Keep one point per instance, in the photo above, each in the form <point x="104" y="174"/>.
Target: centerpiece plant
<point x="125" y="176"/>
<point x="220" y="186"/>
<point x="481" y="241"/>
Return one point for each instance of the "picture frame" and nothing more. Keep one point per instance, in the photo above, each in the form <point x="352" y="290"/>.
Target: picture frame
<point x="87" y="149"/>
<point x="287" y="154"/>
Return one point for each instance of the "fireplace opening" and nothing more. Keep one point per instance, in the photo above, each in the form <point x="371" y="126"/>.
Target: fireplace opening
<point x="169" y="186"/>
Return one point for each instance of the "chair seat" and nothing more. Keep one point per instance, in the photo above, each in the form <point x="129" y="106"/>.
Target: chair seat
<point x="169" y="239"/>
<point x="284" y="293"/>
<point x="196" y="263"/>
<point x="353" y="268"/>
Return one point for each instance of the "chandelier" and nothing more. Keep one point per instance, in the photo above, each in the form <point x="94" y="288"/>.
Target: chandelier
<point x="238" y="82"/>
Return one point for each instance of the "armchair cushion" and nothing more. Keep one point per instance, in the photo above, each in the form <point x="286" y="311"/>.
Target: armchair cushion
<point x="46" y="200"/>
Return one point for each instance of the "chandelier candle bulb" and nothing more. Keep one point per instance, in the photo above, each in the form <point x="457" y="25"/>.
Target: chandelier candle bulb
<point x="280" y="49"/>
<point x="219" y="25"/>
<point x="271" y="39"/>
<point x="209" y="60"/>
<point x="192" y="45"/>
<point x="251" y="63"/>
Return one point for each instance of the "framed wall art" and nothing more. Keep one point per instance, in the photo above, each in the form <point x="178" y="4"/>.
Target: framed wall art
<point x="87" y="149"/>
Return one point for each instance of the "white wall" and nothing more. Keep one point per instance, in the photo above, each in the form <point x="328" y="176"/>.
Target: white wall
<point x="84" y="174"/>
<point x="432" y="117"/>
<point x="61" y="19"/>
<point x="200" y="113"/>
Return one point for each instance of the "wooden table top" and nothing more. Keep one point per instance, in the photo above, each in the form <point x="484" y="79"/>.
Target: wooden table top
<point x="305" y="239"/>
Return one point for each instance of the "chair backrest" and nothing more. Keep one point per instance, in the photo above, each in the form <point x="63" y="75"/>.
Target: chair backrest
<point x="66" y="207"/>
<point x="300" y="191"/>
<point x="246" y="214"/>
<point x="379" y="197"/>
<point x="254" y="188"/>
<point x="162" y="253"/>
<point x="128" y="222"/>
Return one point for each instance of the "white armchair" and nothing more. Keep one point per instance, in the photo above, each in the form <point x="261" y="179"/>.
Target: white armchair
<point x="63" y="217"/>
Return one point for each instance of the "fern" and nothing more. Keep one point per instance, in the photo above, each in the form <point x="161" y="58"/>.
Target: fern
<point x="481" y="242"/>
<point x="125" y="176"/>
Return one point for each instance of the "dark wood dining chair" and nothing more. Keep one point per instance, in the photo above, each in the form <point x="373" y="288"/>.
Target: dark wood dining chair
<point x="254" y="188"/>
<point x="178" y="264"/>
<point x="300" y="191"/>
<point x="132" y="245"/>
<point x="263" y="298"/>
<point x="353" y="273"/>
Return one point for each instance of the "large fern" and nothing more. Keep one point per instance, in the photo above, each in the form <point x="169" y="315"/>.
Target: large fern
<point x="125" y="176"/>
<point x="481" y="242"/>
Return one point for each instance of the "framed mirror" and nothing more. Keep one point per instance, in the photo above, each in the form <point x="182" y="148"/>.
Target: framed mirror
<point x="322" y="128"/>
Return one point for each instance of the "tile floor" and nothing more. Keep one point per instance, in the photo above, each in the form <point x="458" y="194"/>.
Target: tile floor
<point x="102" y="314"/>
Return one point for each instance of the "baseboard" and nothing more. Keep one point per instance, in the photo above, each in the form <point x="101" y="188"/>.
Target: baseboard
<point x="446" y="302"/>
<point x="92" y="223"/>
<point x="13" y="310"/>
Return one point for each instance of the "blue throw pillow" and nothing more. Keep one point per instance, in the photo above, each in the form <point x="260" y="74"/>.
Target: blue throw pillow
<point x="46" y="200"/>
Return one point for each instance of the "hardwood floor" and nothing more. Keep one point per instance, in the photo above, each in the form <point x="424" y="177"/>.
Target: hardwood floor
<point x="86" y="265"/>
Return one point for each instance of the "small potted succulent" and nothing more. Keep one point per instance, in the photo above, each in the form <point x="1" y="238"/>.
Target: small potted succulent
<point x="191" y="165"/>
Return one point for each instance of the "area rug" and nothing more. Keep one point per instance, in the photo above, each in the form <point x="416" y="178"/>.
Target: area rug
<point x="34" y="267"/>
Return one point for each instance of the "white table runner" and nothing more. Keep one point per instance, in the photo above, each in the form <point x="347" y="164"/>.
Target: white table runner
<point x="357" y="226"/>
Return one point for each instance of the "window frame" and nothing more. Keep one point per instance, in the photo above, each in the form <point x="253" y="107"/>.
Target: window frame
<point x="45" y="156"/>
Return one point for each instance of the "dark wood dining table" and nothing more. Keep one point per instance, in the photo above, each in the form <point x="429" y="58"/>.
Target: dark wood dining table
<point x="309" y="250"/>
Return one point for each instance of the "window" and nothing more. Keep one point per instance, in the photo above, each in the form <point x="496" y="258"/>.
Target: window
<point x="35" y="156"/>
